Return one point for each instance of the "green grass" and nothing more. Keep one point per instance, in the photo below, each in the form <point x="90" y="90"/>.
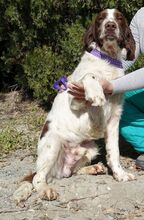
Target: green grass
<point x="20" y="125"/>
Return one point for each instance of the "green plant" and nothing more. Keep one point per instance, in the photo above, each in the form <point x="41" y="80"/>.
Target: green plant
<point x="138" y="64"/>
<point x="71" y="45"/>
<point x="10" y="139"/>
<point x="41" y="68"/>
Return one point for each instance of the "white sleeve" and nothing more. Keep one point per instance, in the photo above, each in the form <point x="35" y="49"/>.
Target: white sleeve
<point x="131" y="81"/>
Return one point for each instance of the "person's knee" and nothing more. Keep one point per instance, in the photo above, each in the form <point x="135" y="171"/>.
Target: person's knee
<point x="134" y="136"/>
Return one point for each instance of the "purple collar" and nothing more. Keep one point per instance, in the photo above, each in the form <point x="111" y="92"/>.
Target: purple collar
<point x="104" y="56"/>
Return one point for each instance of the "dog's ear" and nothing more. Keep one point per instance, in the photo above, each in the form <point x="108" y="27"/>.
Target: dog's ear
<point x="129" y="44"/>
<point x="89" y="37"/>
<point x="92" y="35"/>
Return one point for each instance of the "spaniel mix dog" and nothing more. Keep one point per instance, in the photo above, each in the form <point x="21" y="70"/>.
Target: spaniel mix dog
<point x="67" y="138"/>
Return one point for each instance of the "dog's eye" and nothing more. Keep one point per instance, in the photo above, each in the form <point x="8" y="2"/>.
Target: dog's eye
<point x="101" y="19"/>
<point x="93" y="77"/>
<point x="119" y="18"/>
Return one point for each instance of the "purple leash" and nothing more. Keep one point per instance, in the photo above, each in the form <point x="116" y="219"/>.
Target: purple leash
<point x="62" y="81"/>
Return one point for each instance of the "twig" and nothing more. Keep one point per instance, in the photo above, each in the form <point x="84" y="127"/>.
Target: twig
<point x="79" y="199"/>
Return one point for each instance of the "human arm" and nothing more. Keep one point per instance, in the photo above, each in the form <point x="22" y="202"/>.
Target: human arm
<point x="132" y="81"/>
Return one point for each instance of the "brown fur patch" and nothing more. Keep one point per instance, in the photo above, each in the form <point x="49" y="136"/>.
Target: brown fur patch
<point x="45" y="129"/>
<point x="29" y="177"/>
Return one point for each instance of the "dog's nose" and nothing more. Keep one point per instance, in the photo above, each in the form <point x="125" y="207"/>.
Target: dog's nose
<point x="110" y="25"/>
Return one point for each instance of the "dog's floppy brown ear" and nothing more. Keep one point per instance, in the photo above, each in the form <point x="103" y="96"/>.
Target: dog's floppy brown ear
<point x="93" y="32"/>
<point x="88" y="37"/>
<point x="129" y="44"/>
<point x="91" y="35"/>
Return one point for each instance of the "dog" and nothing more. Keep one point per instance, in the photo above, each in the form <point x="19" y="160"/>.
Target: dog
<point x="71" y="127"/>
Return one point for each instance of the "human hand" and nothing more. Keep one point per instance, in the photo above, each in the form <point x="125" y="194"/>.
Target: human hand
<point x="107" y="86"/>
<point x="78" y="92"/>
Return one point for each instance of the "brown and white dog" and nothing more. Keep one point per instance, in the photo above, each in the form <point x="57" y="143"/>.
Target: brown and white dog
<point x="71" y="127"/>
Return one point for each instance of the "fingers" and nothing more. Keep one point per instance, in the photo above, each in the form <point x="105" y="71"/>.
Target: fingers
<point x="76" y="95"/>
<point x="76" y="90"/>
<point x="75" y="86"/>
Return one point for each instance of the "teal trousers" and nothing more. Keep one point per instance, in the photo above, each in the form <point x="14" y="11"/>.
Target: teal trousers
<point x="132" y="120"/>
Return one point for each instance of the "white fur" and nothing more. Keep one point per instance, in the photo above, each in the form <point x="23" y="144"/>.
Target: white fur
<point x="110" y="18"/>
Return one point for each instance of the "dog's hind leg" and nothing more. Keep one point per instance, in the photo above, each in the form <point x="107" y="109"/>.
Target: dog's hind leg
<point x="82" y="166"/>
<point x="92" y="169"/>
<point x="82" y="162"/>
<point x="49" y="148"/>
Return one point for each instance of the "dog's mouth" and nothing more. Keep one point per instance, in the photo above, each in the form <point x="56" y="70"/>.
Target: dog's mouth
<point x="110" y="35"/>
<point x="111" y="38"/>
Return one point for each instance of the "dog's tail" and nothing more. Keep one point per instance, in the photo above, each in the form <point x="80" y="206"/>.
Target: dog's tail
<point x="25" y="189"/>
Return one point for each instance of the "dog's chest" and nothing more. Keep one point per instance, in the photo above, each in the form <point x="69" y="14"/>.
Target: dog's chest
<point x="96" y="120"/>
<point x="86" y="126"/>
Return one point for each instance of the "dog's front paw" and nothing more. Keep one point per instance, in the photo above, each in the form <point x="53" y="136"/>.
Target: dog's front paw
<point x="123" y="176"/>
<point x="23" y="192"/>
<point x="97" y="99"/>
<point x="48" y="194"/>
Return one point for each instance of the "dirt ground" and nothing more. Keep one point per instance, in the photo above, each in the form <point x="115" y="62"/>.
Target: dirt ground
<point x="82" y="197"/>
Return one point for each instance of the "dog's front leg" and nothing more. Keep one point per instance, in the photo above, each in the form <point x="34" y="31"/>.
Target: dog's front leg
<point x="93" y="90"/>
<point x="48" y="152"/>
<point x="112" y="148"/>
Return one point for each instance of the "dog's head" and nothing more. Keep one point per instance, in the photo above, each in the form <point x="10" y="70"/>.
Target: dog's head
<point x="110" y="27"/>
